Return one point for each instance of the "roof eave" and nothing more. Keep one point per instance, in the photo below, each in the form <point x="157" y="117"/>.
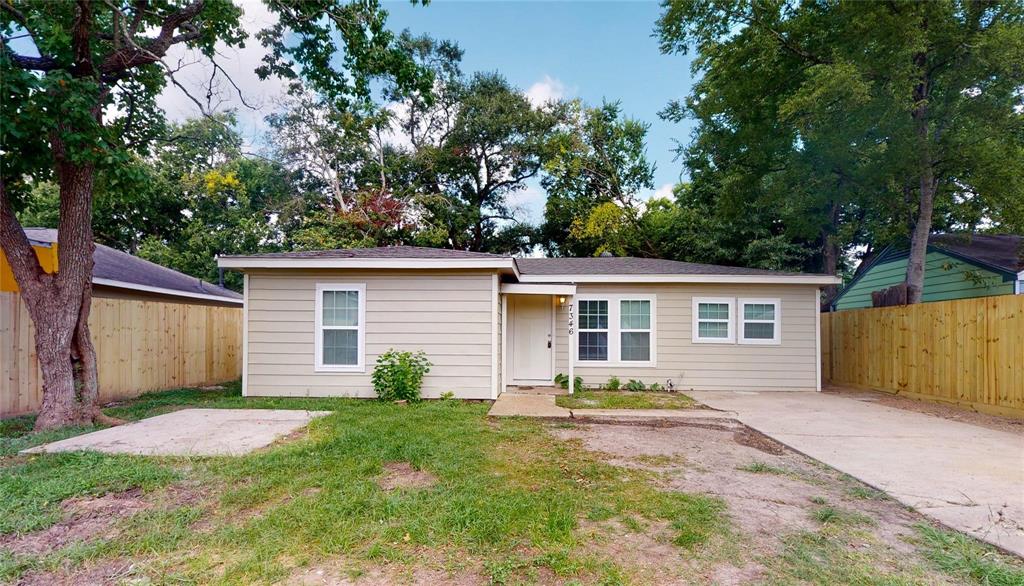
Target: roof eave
<point x="679" y="278"/>
<point x="165" y="291"/>
<point x="249" y="263"/>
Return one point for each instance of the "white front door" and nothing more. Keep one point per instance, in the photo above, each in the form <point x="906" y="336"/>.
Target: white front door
<point x="531" y="338"/>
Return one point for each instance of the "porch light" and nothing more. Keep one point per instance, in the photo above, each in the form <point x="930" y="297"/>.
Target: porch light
<point x="561" y="300"/>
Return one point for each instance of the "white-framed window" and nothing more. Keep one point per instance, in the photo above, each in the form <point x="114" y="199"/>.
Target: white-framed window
<point x="593" y="330"/>
<point x="760" y="321"/>
<point x="713" y="320"/>
<point x="617" y="330"/>
<point x="634" y="330"/>
<point x="340" y="344"/>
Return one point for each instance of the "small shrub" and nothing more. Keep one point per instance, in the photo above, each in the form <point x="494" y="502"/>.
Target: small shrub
<point x="655" y="387"/>
<point x="562" y="380"/>
<point x="635" y="385"/>
<point x="613" y="384"/>
<point x="447" y="395"/>
<point x="398" y="376"/>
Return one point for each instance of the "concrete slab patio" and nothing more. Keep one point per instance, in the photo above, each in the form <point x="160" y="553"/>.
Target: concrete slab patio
<point x="967" y="477"/>
<point x="190" y="432"/>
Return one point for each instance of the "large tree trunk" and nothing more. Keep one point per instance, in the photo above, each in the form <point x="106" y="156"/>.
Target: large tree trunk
<point x="919" y="237"/>
<point x="830" y="262"/>
<point x="59" y="303"/>
<point x="927" y="184"/>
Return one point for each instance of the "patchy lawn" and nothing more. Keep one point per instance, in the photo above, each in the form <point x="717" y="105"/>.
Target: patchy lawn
<point x="438" y="493"/>
<point x="625" y="400"/>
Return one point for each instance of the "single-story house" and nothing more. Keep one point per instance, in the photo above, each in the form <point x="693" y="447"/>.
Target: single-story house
<point x="957" y="266"/>
<point x="316" y="321"/>
<point x="119" y="275"/>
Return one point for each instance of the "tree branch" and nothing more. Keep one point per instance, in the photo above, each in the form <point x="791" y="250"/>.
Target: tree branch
<point x="15" y="244"/>
<point x="134" y="55"/>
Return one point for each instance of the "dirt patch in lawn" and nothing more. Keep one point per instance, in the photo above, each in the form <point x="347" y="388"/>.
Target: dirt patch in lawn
<point x="85" y="519"/>
<point x="403" y="475"/>
<point x="759" y="441"/>
<point x="105" y="572"/>
<point x="89" y="518"/>
<point x="770" y="492"/>
<point x="340" y="574"/>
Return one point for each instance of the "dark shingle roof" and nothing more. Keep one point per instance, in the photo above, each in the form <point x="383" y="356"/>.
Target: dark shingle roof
<point x="119" y="266"/>
<point x="1005" y="251"/>
<point x="382" y="252"/>
<point x="602" y="265"/>
<point x="619" y="265"/>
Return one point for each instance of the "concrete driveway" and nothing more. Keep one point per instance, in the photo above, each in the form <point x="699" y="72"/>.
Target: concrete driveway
<point x="190" y="432"/>
<point x="967" y="477"/>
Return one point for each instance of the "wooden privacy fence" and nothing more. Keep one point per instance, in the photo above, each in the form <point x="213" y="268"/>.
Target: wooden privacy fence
<point x="140" y="345"/>
<point x="967" y="351"/>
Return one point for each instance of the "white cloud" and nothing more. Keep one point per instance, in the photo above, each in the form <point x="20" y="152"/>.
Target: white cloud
<point x="546" y="90"/>
<point x="240" y="64"/>
<point x="529" y="203"/>
<point x="395" y="135"/>
<point x="665" y="191"/>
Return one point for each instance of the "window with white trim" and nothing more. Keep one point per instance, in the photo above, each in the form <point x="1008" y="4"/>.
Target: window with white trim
<point x="617" y="329"/>
<point x="713" y="320"/>
<point x="593" y="330"/>
<point x="759" y="321"/>
<point x="634" y="330"/>
<point x="340" y="327"/>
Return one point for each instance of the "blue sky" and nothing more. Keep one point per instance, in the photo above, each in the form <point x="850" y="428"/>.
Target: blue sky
<point x="587" y="50"/>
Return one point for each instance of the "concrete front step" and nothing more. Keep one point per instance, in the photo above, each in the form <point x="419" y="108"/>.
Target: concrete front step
<point x="522" y="405"/>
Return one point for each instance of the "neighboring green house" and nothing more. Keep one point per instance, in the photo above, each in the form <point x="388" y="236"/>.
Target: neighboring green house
<point x="958" y="266"/>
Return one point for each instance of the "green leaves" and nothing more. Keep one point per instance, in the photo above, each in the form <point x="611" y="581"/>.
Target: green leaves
<point x="398" y="376"/>
<point x="312" y="37"/>
<point x="805" y="119"/>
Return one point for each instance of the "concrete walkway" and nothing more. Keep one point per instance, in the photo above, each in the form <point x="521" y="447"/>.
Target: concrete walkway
<point x="533" y="405"/>
<point x="967" y="477"/>
<point x="527" y="405"/>
<point x="190" y="432"/>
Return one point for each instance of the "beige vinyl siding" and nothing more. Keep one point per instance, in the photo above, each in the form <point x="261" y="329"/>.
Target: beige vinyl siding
<point x="789" y="366"/>
<point x="448" y="315"/>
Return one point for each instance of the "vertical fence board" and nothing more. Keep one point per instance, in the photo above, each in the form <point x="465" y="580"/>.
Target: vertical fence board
<point x="140" y="345"/>
<point x="967" y="351"/>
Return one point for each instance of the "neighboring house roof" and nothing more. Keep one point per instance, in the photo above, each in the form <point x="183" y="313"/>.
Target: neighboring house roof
<point x="529" y="270"/>
<point x="114" y="268"/>
<point x="1003" y="251"/>
<point x="1002" y="254"/>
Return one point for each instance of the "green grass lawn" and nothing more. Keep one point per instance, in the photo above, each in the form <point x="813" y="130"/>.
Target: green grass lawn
<point x="625" y="400"/>
<point x="512" y="503"/>
<point x="508" y="501"/>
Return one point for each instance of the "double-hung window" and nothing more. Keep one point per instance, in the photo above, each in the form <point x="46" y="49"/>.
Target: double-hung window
<point x="759" y="321"/>
<point x="593" y="331"/>
<point x="713" y="320"/>
<point x="340" y="327"/>
<point x="634" y="330"/>
<point x="617" y="329"/>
